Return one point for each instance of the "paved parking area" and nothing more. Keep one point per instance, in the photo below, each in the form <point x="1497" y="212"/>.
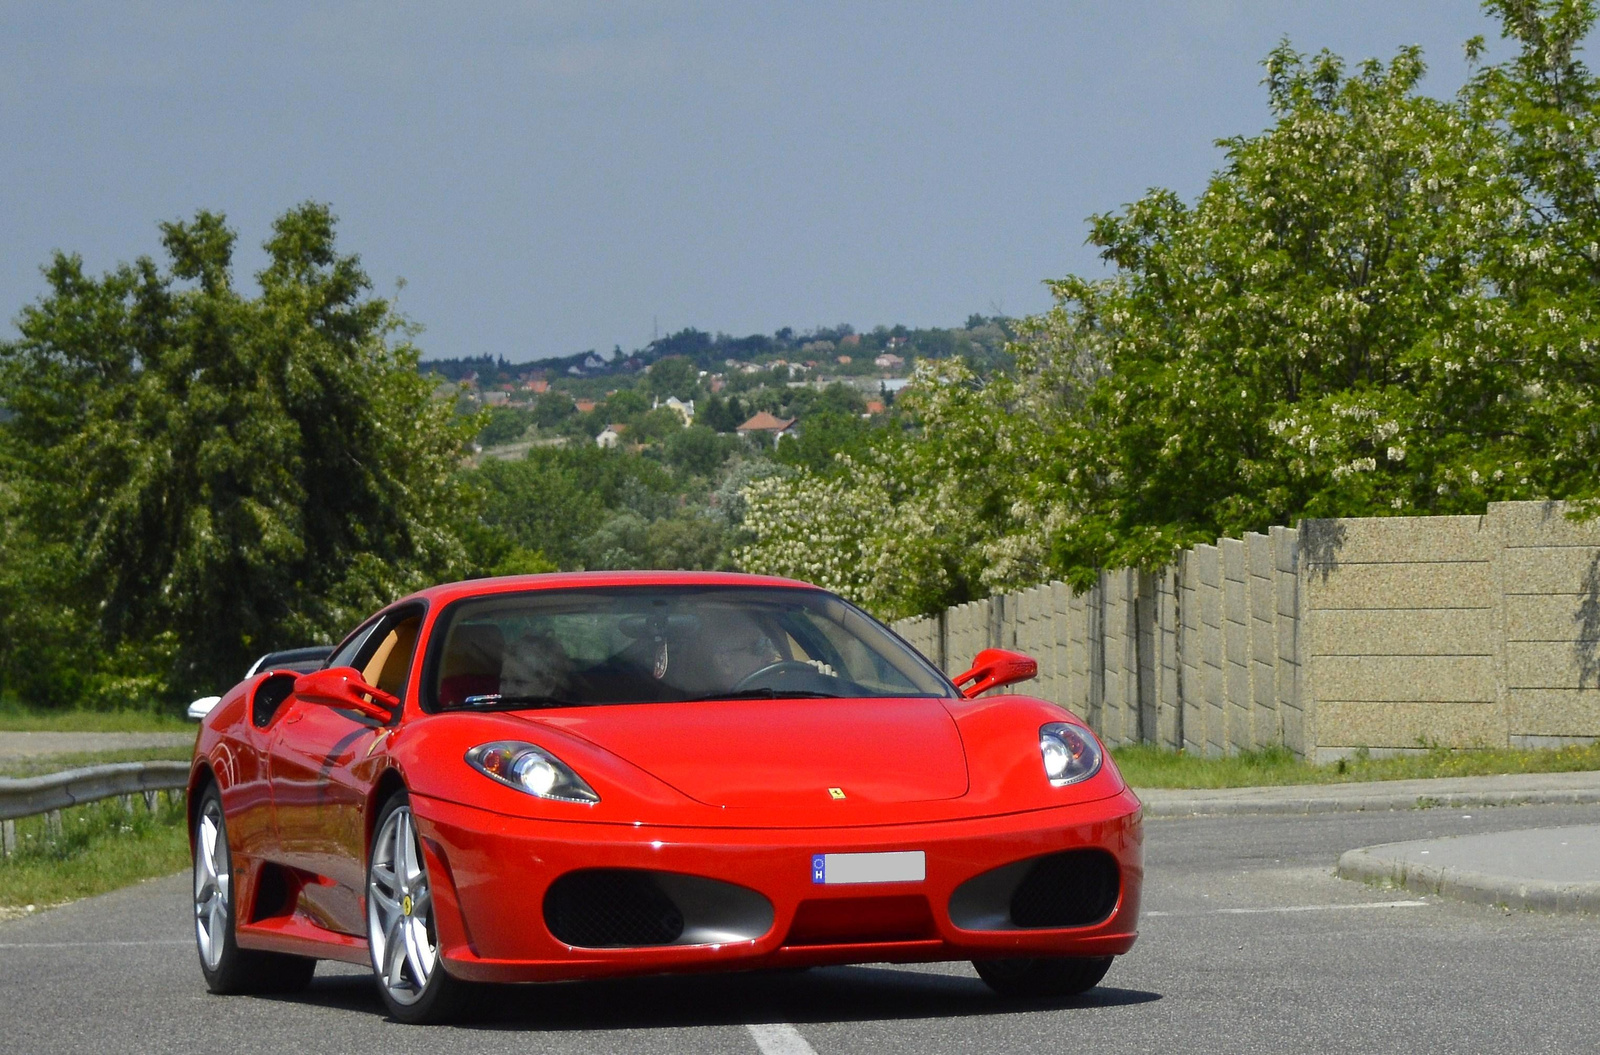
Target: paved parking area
<point x="1250" y="944"/>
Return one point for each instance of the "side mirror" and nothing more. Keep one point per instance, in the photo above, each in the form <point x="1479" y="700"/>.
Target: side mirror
<point x="994" y="667"/>
<point x="202" y="707"/>
<point x="342" y="687"/>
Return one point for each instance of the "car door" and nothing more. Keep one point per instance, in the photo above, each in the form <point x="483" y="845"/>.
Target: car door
<point x="323" y="763"/>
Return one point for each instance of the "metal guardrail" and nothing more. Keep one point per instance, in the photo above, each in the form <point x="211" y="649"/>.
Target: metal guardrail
<point x="31" y="796"/>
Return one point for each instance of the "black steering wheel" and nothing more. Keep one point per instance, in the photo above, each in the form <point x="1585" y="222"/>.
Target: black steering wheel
<point x="783" y="666"/>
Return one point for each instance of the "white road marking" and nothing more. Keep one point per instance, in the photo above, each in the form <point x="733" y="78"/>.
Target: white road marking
<point x="88" y="944"/>
<point x="780" y="1038"/>
<point x="1291" y="908"/>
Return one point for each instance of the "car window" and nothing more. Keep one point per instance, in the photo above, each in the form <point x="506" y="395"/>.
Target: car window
<point x="390" y="661"/>
<point x="666" y="644"/>
<point x="346" y="654"/>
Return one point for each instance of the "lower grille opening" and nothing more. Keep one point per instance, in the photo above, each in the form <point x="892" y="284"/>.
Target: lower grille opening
<point x="1070" y="889"/>
<point x="851" y="920"/>
<point x="609" y="907"/>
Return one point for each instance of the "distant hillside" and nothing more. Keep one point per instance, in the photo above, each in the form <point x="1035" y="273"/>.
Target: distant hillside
<point x="982" y="340"/>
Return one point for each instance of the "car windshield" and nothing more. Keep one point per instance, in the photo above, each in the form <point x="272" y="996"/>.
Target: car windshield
<point x="663" y="644"/>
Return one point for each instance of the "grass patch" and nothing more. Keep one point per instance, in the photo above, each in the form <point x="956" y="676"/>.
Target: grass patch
<point x="15" y="719"/>
<point x="1145" y="766"/>
<point x="102" y="846"/>
<point x="39" y="765"/>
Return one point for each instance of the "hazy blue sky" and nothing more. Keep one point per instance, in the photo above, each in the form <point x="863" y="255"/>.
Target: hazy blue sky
<point x="550" y="177"/>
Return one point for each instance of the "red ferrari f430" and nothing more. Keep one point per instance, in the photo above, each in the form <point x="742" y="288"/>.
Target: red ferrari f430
<point x="575" y="776"/>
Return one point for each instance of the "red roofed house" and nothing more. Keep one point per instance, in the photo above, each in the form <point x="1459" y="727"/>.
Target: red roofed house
<point x="765" y="424"/>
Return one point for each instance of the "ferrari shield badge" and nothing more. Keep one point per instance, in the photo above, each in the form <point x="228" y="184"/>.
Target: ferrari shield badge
<point x="836" y="793"/>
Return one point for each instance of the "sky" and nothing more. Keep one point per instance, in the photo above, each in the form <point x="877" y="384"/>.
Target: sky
<point x="552" y="177"/>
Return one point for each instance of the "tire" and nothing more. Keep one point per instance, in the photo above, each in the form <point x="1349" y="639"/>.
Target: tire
<point x="1047" y="976"/>
<point x="228" y="968"/>
<point x="401" y="936"/>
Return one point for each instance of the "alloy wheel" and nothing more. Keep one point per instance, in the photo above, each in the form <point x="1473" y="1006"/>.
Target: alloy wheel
<point x="400" y="910"/>
<point x="212" y="881"/>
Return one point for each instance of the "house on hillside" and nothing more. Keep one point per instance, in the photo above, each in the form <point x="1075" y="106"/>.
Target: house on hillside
<point x="889" y="361"/>
<point x="610" y="436"/>
<point x="874" y="406"/>
<point x="684" y="410"/>
<point x="764" y="424"/>
<point x="585" y="406"/>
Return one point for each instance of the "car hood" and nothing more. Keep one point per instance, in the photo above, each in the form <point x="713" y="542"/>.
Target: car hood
<point x="773" y="753"/>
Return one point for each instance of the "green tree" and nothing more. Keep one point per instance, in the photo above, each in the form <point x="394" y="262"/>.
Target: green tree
<point x="673" y="376"/>
<point x="505" y="425"/>
<point x="658" y="424"/>
<point x="627" y="406"/>
<point x="696" y="450"/>
<point x="824" y="435"/>
<point x="219" y="473"/>
<point x="552" y="408"/>
<point x="1384" y="303"/>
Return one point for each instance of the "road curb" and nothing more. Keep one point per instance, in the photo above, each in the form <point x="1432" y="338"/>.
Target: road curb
<point x="1168" y="804"/>
<point x="1371" y="865"/>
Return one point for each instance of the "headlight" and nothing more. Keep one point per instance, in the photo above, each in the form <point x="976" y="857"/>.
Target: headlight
<point x="1070" y="753"/>
<point x="530" y="769"/>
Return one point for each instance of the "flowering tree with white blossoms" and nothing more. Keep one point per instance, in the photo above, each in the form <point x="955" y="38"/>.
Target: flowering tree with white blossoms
<point x="917" y="521"/>
<point x="1385" y="303"/>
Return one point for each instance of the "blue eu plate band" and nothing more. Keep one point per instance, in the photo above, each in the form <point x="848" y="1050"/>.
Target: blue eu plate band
<point x="898" y="866"/>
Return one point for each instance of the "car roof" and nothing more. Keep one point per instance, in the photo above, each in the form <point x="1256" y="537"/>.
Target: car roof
<point x="451" y="591"/>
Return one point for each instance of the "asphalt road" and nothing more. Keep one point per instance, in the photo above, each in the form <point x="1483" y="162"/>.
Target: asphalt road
<point x="1249" y="945"/>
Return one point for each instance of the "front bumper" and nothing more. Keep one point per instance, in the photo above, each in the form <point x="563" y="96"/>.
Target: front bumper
<point x="490" y="874"/>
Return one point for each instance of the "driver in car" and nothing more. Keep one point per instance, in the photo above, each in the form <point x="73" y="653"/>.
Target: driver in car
<point x="739" y="647"/>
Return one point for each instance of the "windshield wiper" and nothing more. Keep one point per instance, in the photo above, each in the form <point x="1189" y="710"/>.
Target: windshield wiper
<point x="495" y="700"/>
<point x="766" y="694"/>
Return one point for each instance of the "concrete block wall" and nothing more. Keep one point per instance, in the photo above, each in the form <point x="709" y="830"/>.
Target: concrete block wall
<point x="1192" y="657"/>
<point x="1549" y="577"/>
<point x="1388" y="634"/>
<point x="1402" y="618"/>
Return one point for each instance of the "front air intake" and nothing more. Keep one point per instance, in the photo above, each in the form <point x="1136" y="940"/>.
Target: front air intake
<point x="1073" y="888"/>
<point x="601" y="908"/>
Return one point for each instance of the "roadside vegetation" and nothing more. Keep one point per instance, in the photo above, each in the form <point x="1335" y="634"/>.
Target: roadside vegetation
<point x="1144" y="766"/>
<point x="16" y="718"/>
<point x="101" y="846"/>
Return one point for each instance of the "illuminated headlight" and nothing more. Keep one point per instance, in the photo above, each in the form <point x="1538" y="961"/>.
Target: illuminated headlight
<point x="530" y="769"/>
<point x="1070" y="753"/>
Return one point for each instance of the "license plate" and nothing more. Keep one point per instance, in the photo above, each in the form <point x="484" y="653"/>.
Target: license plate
<point x="900" y="866"/>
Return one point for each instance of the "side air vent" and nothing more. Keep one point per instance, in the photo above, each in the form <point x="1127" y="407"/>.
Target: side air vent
<point x="610" y="908"/>
<point x="269" y="696"/>
<point x="1073" y="888"/>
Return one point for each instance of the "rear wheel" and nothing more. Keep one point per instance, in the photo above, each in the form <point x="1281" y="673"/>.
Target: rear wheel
<point x="228" y="968"/>
<point x="400" y="929"/>
<point x="1044" y="976"/>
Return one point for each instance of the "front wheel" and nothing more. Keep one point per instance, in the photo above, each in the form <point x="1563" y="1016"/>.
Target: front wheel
<point x="228" y="968"/>
<point x="400" y="929"/>
<point x="1044" y="976"/>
